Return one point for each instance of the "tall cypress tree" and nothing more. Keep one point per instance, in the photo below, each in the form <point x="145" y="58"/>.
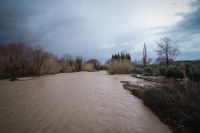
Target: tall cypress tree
<point x="144" y="55"/>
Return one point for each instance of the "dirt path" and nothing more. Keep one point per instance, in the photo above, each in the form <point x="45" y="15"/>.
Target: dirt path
<point x="74" y="103"/>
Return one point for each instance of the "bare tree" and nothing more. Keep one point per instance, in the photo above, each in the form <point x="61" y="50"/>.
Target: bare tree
<point x="78" y="63"/>
<point x="39" y="57"/>
<point x="167" y="49"/>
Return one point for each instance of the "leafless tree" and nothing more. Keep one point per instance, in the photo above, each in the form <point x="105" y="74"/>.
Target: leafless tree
<point x="78" y="63"/>
<point x="167" y="49"/>
<point x="39" y="57"/>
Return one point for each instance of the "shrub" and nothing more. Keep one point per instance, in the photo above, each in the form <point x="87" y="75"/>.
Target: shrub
<point x="119" y="67"/>
<point x="88" y="67"/>
<point x="174" y="72"/>
<point x="78" y="64"/>
<point x="193" y="72"/>
<point x="176" y="108"/>
<point x="162" y="70"/>
<point x="65" y="67"/>
<point x="95" y="62"/>
<point x="148" y="71"/>
<point x="195" y="75"/>
<point x="50" y="66"/>
<point x="137" y="71"/>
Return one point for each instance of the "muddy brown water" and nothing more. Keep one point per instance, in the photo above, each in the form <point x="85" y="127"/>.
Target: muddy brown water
<point x="74" y="103"/>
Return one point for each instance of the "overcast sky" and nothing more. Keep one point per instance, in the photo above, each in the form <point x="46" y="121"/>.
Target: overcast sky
<point x="99" y="28"/>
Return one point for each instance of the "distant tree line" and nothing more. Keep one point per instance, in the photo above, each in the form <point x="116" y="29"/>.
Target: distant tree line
<point x="18" y="59"/>
<point x="121" y="56"/>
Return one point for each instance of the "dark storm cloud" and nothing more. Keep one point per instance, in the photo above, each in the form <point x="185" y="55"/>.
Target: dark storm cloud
<point x="61" y="25"/>
<point x="187" y="32"/>
<point x="96" y="28"/>
<point x="191" y="21"/>
<point x="13" y="18"/>
<point x="28" y="20"/>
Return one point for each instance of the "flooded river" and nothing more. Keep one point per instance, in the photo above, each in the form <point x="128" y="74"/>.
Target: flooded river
<point x="74" y="103"/>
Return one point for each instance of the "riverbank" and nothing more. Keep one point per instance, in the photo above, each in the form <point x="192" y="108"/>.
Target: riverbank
<point x="175" y="104"/>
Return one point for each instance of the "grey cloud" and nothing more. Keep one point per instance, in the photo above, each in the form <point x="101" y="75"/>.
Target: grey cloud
<point x="187" y="32"/>
<point x="86" y="27"/>
<point x="191" y="21"/>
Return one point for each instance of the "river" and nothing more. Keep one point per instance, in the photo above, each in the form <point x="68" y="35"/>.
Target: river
<point x="83" y="102"/>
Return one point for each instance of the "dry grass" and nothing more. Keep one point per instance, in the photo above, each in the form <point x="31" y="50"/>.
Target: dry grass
<point x="119" y="67"/>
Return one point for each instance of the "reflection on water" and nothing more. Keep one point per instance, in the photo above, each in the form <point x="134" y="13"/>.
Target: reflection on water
<point x="74" y="103"/>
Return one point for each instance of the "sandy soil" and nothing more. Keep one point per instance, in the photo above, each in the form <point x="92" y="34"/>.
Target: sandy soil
<point x="74" y="103"/>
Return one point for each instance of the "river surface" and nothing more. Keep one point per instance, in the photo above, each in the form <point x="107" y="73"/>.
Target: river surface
<point x="80" y="102"/>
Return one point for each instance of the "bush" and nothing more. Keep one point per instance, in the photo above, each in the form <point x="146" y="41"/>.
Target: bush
<point x="96" y="64"/>
<point x="148" y="71"/>
<point x="137" y="71"/>
<point x="175" y="107"/>
<point x="119" y="67"/>
<point x="78" y="64"/>
<point x="193" y="72"/>
<point x="88" y="67"/>
<point x="50" y="66"/>
<point x="174" y="72"/>
<point x="162" y="70"/>
<point x="65" y="67"/>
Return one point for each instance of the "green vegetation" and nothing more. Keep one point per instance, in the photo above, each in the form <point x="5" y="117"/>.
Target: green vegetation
<point x="148" y="71"/>
<point x="177" y="71"/>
